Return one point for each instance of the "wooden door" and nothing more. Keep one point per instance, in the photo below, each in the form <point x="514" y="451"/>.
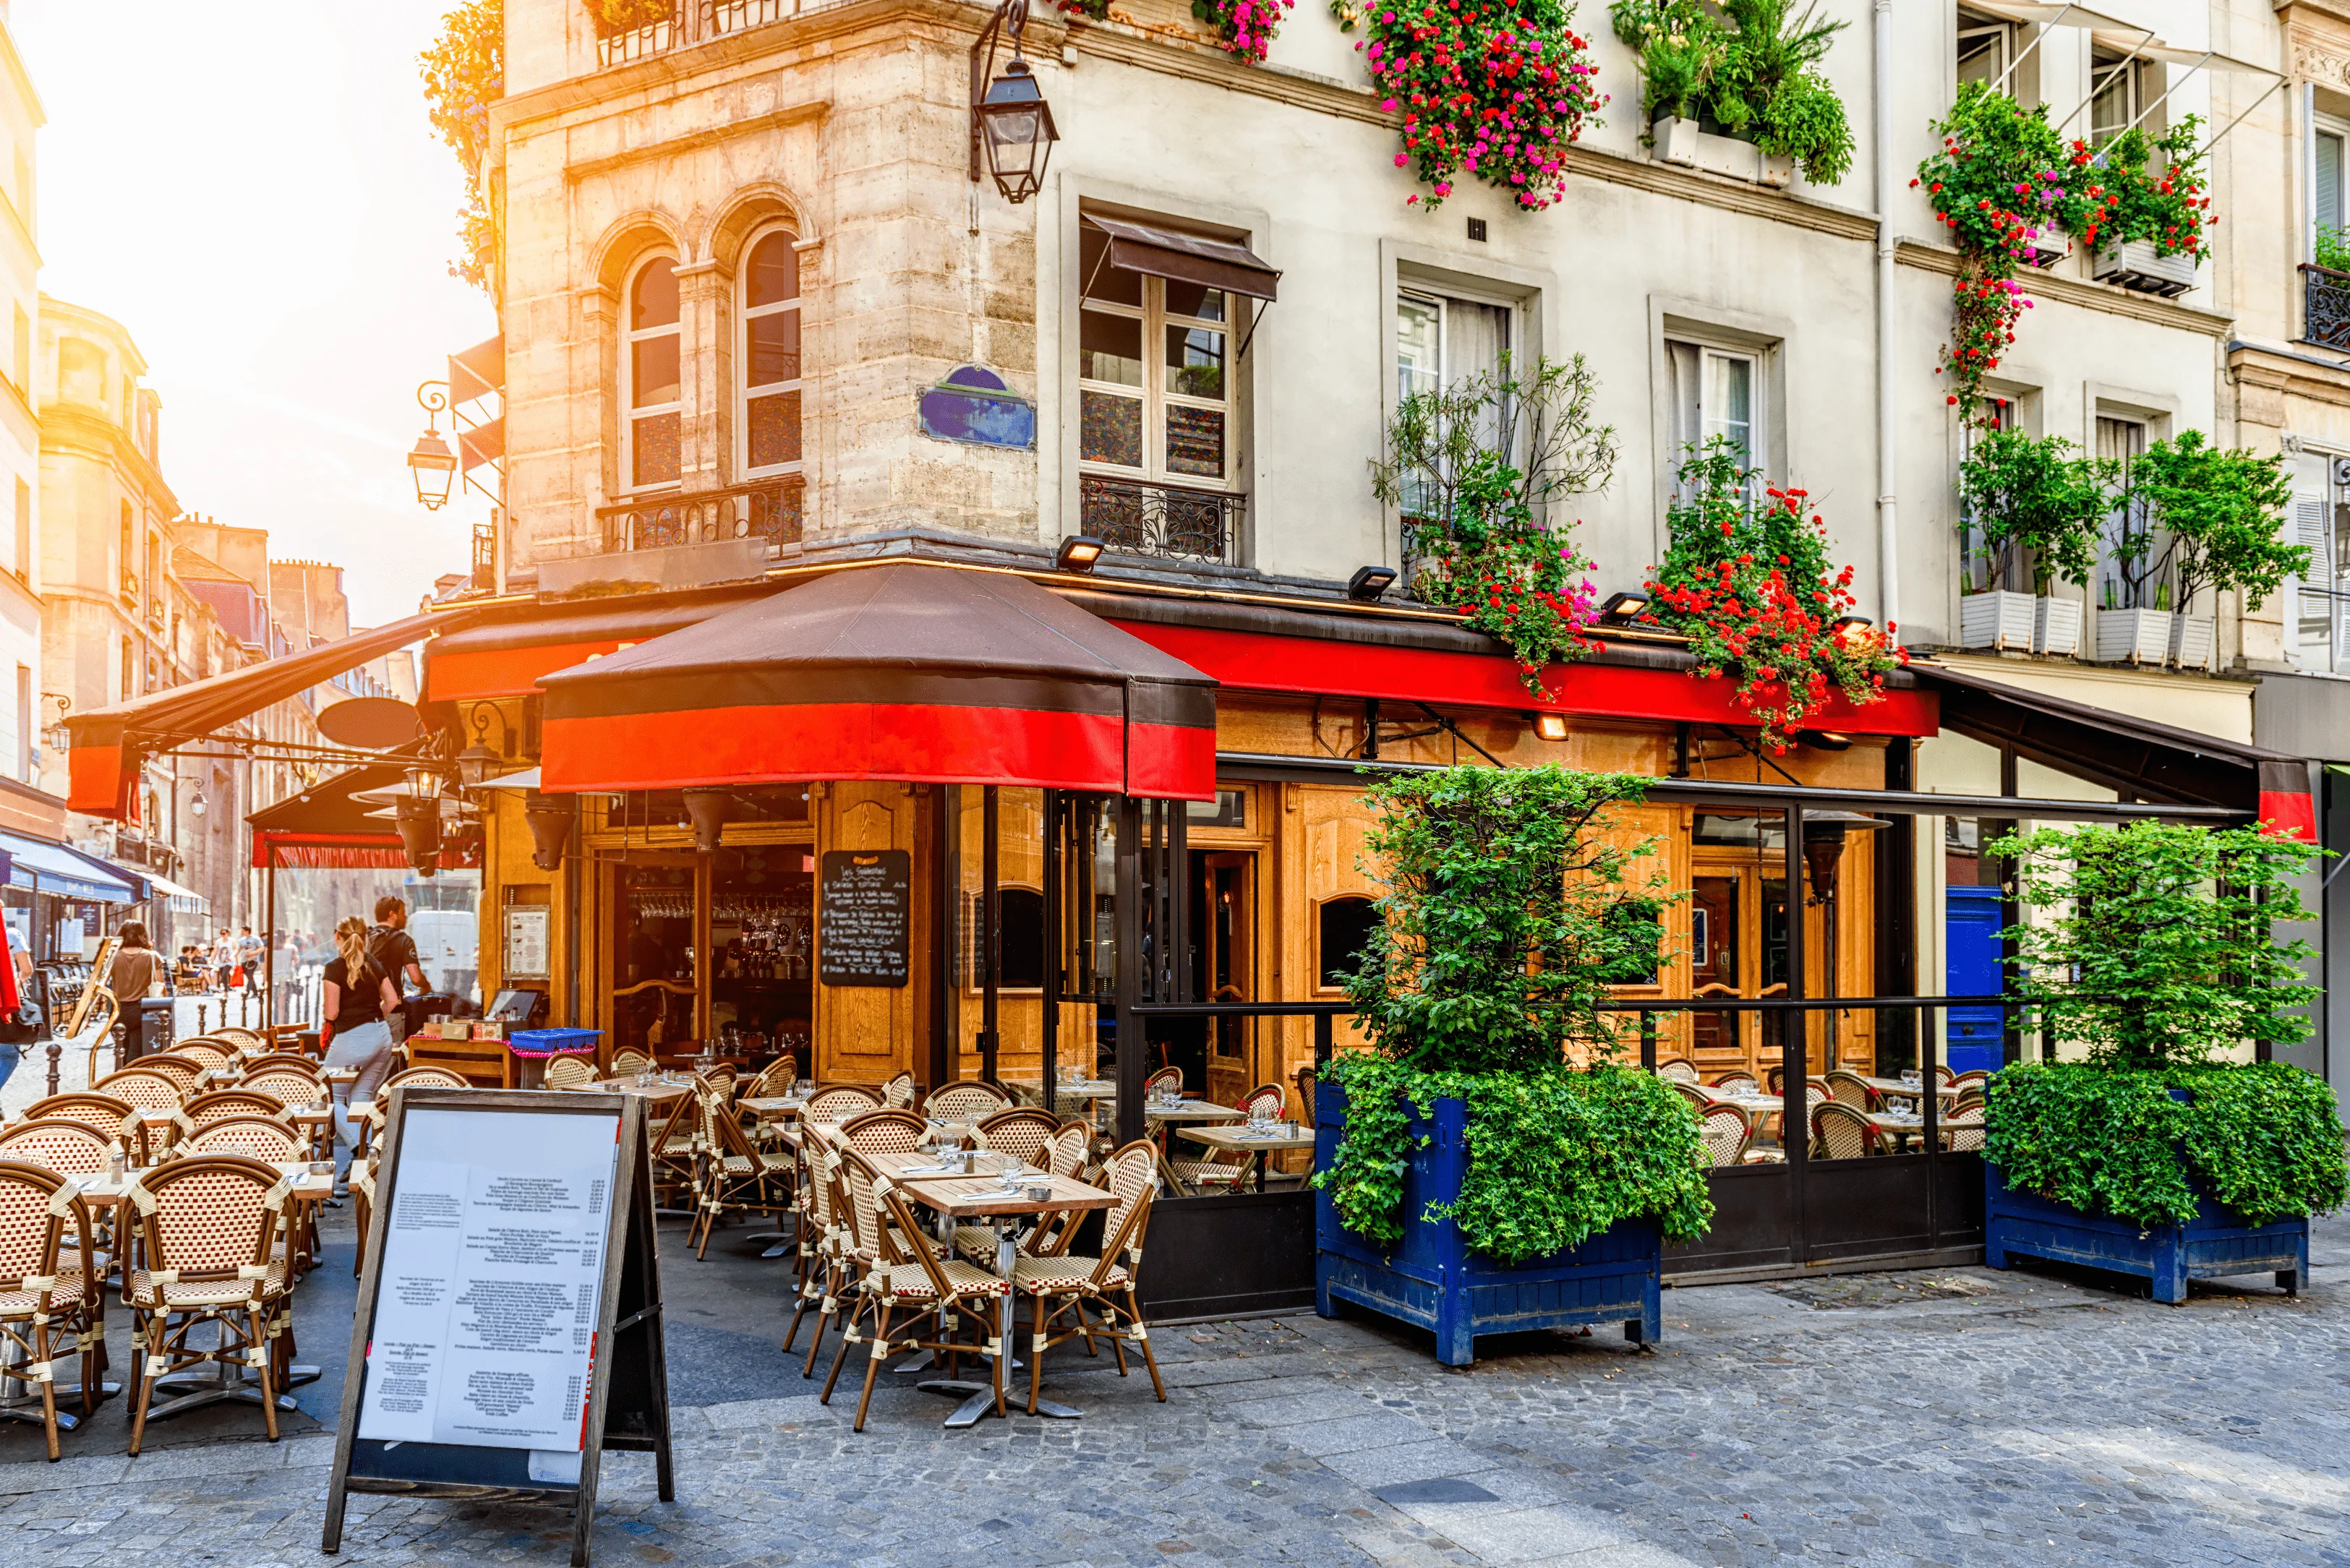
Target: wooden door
<point x="868" y="1033"/>
<point x="1227" y="891"/>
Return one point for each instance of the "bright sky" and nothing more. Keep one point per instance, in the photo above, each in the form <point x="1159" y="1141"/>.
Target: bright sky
<point x="253" y="191"/>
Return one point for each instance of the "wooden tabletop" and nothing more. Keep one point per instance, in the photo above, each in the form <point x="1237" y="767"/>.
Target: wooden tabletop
<point x="979" y="1197"/>
<point x="1242" y="1139"/>
<point x="660" y="1093"/>
<point x="105" y="1189"/>
<point x="773" y="1107"/>
<point x="1194" y="1111"/>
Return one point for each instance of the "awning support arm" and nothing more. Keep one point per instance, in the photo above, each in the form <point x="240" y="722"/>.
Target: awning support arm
<point x="2173" y="88"/>
<point x="2240" y="119"/>
<point x="2097" y="86"/>
<point x="2037" y="39"/>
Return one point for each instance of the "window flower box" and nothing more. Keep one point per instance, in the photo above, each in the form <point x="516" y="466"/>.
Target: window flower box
<point x="2045" y="250"/>
<point x="2136" y="264"/>
<point x="1432" y="1280"/>
<point x="2056" y="626"/>
<point x="2216" y="1243"/>
<point x="2133" y="636"/>
<point x="1997" y="619"/>
<point x="1682" y="141"/>
<point x="2195" y="641"/>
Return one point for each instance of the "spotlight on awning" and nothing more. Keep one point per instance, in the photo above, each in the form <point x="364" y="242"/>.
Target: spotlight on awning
<point x="1621" y="608"/>
<point x="1078" y="553"/>
<point x="1549" y="726"/>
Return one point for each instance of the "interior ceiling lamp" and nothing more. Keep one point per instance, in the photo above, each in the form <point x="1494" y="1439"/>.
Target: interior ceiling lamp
<point x="1078" y="553"/>
<point x="550" y="817"/>
<point x="1824" y="836"/>
<point x="1369" y="583"/>
<point x="708" y="810"/>
<point x="1620" y="608"/>
<point x="1549" y="726"/>
<point x="1011" y="122"/>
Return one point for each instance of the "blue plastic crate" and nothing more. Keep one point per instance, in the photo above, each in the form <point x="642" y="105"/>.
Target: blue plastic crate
<point x="553" y="1041"/>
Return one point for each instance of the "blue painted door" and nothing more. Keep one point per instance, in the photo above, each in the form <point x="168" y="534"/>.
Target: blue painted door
<point x="1972" y="922"/>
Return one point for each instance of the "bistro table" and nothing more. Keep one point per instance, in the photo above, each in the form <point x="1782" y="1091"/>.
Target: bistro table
<point x="1894" y="1089"/>
<point x="1900" y="1125"/>
<point x="985" y="1200"/>
<point x="1289" y="1139"/>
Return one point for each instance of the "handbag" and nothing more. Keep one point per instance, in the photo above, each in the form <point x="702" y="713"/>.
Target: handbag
<point x="236" y="975"/>
<point x="22" y="1026"/>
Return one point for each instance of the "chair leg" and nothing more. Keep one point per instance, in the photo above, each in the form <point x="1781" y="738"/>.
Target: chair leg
<point x="839" y="1356"/>
<point x="142" y="1387"/>
<point x="49" y="1412"/>
<point x="872" y="1365"/>
<point x="259" y="1330"/>
<point x="824" y="1312"/>
<point x="798" y="1312"/>
<point x="1117" y="1340"/>
<point x="1143" y="1335"/>
<point x="1040" y="1321"/>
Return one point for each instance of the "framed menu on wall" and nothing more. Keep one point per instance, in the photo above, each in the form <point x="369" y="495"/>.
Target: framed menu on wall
<point x="509" y="1321"/>
<point x="864" y="904"/>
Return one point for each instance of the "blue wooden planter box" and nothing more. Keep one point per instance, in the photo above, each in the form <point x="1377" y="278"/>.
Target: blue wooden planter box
<point x="1431" y="1277"/>
<point x="2216" y="1243"/>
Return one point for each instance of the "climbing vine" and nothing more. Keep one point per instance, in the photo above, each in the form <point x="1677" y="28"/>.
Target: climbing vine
<point x="464" y="73"/>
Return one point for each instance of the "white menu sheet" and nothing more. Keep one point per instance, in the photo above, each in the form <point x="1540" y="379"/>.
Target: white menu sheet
<point x="492" y="1277"/>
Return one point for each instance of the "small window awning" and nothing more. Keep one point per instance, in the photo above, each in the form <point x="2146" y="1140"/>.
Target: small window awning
<point x="109" y="744"/>
<point x="904" y="672"/>
<point x="187" y="901"/>
<point x="1188" y="259"/>
<point x="324" y="826"/>
<point x="61" y="869"/>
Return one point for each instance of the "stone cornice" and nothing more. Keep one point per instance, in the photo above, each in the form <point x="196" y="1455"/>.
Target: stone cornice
<point x="2283" y="371"/>
<point x="2086" y="296"/>
<point x="64" y="426"/>
<point x="798" y="114"/>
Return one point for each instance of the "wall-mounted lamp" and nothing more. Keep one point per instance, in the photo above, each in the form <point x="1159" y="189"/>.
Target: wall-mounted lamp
<point x="1078" y="553"/>
<point x="1622" y="608"/>
<point x="1011" y="123"/>
<point x="1369" y="583"/>
<point x="1549" y="726"/>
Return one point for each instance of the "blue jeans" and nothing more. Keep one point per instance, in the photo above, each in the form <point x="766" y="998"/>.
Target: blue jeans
<point x="9" y="1056"/>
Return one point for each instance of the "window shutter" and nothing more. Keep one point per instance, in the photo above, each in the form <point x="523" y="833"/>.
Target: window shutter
<point x="2326" y="202"/>
<point x="2315" y="631"/>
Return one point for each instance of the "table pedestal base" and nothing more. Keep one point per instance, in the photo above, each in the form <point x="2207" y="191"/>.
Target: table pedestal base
<point x="979" y="1400"/>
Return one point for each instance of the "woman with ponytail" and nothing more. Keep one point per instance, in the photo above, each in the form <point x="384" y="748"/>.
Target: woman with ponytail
<point x="358" y="996"/>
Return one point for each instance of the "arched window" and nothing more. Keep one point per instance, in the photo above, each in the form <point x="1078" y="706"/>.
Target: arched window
<point x="650" y="370"/>
<point x="769" y="355"/>
<point x="1344" y="928"/>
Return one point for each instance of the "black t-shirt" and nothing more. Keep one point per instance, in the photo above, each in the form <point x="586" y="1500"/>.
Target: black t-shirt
<point x="362" y="998"/>
<point x="394" y="951"/>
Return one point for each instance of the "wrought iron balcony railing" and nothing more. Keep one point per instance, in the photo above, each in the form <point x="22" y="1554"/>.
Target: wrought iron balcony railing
<point x="686" y="23"/>
<point x="1165" y="520"/>
<point x="2325" y="305"/>
<point x="770" y="510"/>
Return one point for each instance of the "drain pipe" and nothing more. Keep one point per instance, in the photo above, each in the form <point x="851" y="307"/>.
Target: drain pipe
<point x="1888" y="597"/>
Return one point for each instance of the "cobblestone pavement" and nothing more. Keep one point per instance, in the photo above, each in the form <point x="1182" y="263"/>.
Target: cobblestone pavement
<point x="1960" y="1418"/>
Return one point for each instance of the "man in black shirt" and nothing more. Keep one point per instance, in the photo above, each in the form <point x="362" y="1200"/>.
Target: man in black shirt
<point x="391" y="945"/>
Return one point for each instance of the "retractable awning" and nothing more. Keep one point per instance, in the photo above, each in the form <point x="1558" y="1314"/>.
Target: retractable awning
<point x="61" y="869"/>
<point x="1188" y="259"/>
<point x="325" y="826"/>
<point x="110" y="743"/>
<point x="2136" y="757"/>
<point x="506" y="654"/>
<point x="906" y="672"/>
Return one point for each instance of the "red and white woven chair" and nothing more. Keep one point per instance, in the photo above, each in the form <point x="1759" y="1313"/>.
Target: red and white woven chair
<point x="1057" y="1285"/>
<point x="50" y="1300"/>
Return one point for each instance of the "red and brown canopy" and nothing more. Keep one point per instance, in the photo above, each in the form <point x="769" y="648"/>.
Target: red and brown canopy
<point x="906" y="672"/>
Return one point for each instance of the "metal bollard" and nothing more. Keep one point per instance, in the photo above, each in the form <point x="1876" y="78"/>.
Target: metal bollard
<point x="57" y="1055"/>
<point x="201" y="1006"/>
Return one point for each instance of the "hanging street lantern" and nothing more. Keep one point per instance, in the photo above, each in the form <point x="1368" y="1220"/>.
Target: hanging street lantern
<point x="1011" y="123"/>
<point x="435" y="468"/>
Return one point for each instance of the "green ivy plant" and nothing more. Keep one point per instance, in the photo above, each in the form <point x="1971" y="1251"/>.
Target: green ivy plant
<point x="2036" y="501"/>
<point x="1748" y="66"/>
<point x="1508" y="915"/>
<point x="2152" y="949"/>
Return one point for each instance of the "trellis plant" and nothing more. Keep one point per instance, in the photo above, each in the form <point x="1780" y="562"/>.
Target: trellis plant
<point x="1488" y="979"/>
<point x="464" y="73"/>
<point x="2153" y="953"/>
<point x="1476" y="468"/>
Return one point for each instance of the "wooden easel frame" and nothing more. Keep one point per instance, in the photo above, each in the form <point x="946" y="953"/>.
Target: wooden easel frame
<point x="628" y="1320"/>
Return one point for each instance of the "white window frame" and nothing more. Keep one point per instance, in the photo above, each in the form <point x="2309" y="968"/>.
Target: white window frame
<point x="2327" y="125"/>
<point x="2003" y="35"/>
<point x="629" y="412"/>
<point x="2131" y="76"/>
<point x="746" y="394"/>
<point x="1153" y="394"/>
<point x="1758" y="409"/>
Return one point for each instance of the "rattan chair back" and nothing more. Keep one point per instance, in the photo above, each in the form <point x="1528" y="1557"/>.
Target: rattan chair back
<point x="1306" y="1082"/>
<point x="1736" y="1083"/>
<point x="212" y="1050"/>
<point x="427" y="1078"/>
<point x="885" y="1132"/>
<point x="897" y="1094"/>
<point x="773" y="1080"/>
<point x="49" y="1294"/>
<point x="1162" y="1081"/>
<point x="965" y="1100"/>
<point x="627" y="1064"/>
<point x="1725" y="1132"/>
<point x="288" y="1086"/>
<point x="1691" y="1093"/>
<point x="839" y="1102"/>
<point x="1024" y="1131"/>
<point x="256" y="1137"/>
<point x="1840" y="1131"/>
<point x="236" y="1037"/>
<point x="181" y="1068"/>
<point x="1846" y="1088"/>
<point x="1267" y="1100"/>
<point x="69" y="1148"/>
<point x="288" y="1059"/>
<point x="569" y="1072"/>
<point x="143" y="1087"/>
<point x="1679" y="1069"/>
<point x="1066" y="1150"/>
<point x="106" y="1113"/>
<point x="222" y="1104"/>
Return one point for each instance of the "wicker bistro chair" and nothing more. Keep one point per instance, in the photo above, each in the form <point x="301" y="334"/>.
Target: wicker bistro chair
<point x="427" y="1078"/>
<point x="289" y="1086"/>
<point x="51" y="1299"/>
<point x="885" y="1131"/>
<point x="572" y="1072"/>
<point x="897" y="1094"/>
<point x="104" y="1112"/>
<point x="1691" y="1093"/>
<point x="820" y="1239"/>
<point x="211" y="1228"/>
<point x="1024" y="1130"/>
<point x="1057" y="1284"/>
<point x="181" y="1072"/>
<point x="1220" y="1169"/>
<point x="69" y="1149"/>
<point x="838" y="1102"/>
<point x="774" y="1080"/>
<point x="1840" y="1132"/>
<point x="1164" y="1079"/>
<point x="627" y="1064"/>
<point x="731" y="1175"/>
<point x="1737" y="1082"/>
<point x="1846" y="1088"/>
<point x="263" y="1139"/>
<point x="1306" y="1081"/>
<point x="213" y="1051"/>
<point x="1725" y="1132"/>
<point x="965" y="1100"/>
<point x="294" y="1059"/>
<point x="222" y="1104"/>
<point x="1679" y="1069"/>
<point x="238" y="1038"/>
<point x="895" y="1290"/>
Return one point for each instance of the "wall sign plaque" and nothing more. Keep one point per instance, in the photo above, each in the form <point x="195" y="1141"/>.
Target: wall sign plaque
<point x="864" y="916"/>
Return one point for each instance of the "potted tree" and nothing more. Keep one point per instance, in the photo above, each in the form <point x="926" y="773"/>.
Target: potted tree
<point x="2032" y="506"/>
<point x="2220" y="516"/>
<point x="2150" y="1147"/>
<point x="1490" y="1164"/>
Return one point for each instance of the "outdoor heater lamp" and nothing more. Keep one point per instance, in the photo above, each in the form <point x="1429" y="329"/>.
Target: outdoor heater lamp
<point x="708" y="809"/>
<point x="435" y="468"/>
<point x="1078" y="553"/>
<point x="1622" y="608"/>
<point x="550" y="817"/>
<point x="1010" y="122"/>
<point x="419" y="820"/>
<point x="1824" y="836"/>
<point x="1549" y="726"/>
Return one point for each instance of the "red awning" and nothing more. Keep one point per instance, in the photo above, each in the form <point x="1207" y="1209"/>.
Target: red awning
<point x="1270" y="661"/>
<point x="907" y="671"/>
<point x="110" y="743"/>
<point x="325" y="826"/>
<point x="507" y="652"/>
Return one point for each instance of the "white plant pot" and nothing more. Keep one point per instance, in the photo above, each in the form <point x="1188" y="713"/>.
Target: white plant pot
<point x="2056" y="627"/>
<point x="2195" y="642"/>
<point x="1997" y="619"/>
<point x="2134" y="264"/>
<point x="2133" y="636"/>
<point x="1676" y="140"/>
<point x="1778" y="170"/>
<point x="1681" y="142"/>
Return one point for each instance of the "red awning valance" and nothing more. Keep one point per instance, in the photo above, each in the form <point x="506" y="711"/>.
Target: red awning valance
<point x="905" y="670"/>
<point x="110" y="743"/>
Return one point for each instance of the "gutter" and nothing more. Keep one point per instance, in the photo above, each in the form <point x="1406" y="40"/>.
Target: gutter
<point x="1889" y="596"/>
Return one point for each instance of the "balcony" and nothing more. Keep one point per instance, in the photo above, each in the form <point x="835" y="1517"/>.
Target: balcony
<point x="770" y="511"/>
<point x="1162" y="520"/>
<point x="687" y="23"/>
<point x="131" y="587"/>
<point x="2325" y="305"/>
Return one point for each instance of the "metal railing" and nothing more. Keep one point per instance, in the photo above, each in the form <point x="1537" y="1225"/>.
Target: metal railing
<point x="771" y="510"/>
<point x="2325" y="305"/>
<point x="1165" y="520"/>
<point x="690" y="22"/>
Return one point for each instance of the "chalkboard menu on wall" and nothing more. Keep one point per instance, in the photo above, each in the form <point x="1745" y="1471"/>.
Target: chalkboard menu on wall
<point x="864" y="916"/>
